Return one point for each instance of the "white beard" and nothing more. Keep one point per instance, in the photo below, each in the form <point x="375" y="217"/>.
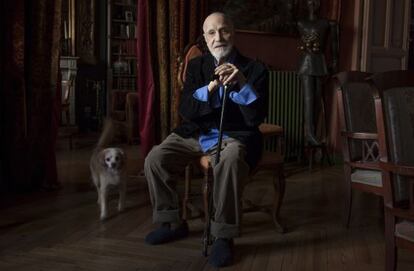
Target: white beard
<point x="222" y="52"/>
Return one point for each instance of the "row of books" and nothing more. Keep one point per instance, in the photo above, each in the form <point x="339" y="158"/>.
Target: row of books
<point x="123" y="45"/>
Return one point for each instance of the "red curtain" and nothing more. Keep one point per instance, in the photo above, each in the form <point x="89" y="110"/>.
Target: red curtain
<point x="44" y="67"/>
<point x="187" y="19"/>
<point x="145" y="84"/>
<point x="31" y="82"/>
<point x="14" y="122"/>
<point x="164" y="29"/>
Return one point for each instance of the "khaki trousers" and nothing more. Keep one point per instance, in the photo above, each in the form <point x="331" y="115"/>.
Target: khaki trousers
<point x="166" y="161"/>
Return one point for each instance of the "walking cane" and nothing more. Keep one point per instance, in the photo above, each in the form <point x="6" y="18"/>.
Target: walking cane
<point x="207" y="230"/>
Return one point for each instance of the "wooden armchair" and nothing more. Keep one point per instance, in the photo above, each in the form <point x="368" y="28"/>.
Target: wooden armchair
<point x="394" y="104"/>
<point x="359" y="136"/>
<point x="270" y="160"/>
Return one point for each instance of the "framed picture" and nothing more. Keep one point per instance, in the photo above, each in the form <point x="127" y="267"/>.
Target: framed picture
<point x="271" y="16"/>
<point x="128" y="16"/>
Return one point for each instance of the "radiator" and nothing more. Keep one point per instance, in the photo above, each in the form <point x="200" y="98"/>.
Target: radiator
<point x="286" y="110"/>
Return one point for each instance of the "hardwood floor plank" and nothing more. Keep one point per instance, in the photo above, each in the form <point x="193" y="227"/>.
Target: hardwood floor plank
<point x="61" y="230"/>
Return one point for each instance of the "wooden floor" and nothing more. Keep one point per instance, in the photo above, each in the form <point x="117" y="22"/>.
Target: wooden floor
<point x="61" y="231"/>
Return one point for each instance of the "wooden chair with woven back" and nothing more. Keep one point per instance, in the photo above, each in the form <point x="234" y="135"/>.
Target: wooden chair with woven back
<point x="359" y="136"/>
<point x="394" y="104"/>
<point x="270" y="160"/>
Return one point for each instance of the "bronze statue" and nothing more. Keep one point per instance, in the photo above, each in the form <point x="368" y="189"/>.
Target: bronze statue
<point x="314" y="33"/>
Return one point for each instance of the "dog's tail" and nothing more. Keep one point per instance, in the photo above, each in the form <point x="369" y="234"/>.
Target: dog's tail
<point x="107" y="135"/>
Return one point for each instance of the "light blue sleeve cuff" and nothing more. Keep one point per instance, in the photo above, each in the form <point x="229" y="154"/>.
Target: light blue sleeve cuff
<point x="245" y="96"/>
<point x="201" y="94"/>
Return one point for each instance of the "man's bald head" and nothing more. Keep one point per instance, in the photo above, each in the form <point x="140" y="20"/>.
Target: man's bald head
<point x="217" y="16"/>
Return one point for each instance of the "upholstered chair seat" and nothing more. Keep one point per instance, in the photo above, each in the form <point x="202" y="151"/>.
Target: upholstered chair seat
<point x="369" y="177"/>
<point x="405" y="230"/>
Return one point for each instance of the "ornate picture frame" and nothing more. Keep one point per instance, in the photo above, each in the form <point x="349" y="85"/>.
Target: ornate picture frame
<point x="261" y="16"/>
<point x="276" y="17"/>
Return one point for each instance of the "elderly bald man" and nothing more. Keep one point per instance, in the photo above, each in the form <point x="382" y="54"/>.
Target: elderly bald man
<point x="200" y="108"/>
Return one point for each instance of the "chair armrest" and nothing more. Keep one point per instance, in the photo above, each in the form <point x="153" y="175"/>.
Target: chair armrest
<point x="364" y="165"/>
<point x="268" y="130"/>
<point x="397" y="168"/>
<point x="361" y="136"/>
<point x="272" y="130"/>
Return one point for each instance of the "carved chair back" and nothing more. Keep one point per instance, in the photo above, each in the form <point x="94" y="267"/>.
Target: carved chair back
<point x="394" y="103"/>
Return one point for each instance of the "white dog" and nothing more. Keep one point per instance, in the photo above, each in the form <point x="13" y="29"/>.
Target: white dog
<point x="108" y="169"/>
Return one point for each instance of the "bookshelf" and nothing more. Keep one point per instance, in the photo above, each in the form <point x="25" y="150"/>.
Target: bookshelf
<point x="122" y="60"/>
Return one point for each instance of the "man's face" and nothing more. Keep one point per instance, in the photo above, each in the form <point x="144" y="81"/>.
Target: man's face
<point x="218" y="35"/>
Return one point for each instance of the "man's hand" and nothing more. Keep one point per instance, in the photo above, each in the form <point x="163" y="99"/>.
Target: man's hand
<point x="213" y="86"/>
<point x="230" y="74"/>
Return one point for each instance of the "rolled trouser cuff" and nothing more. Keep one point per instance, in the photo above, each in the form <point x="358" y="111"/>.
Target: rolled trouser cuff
<point x="162" y="216"/>
<point x="223" y="230"/>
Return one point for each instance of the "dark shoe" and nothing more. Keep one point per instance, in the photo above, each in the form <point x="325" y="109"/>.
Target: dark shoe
<point x="165" y="234"/>
<point x="221" y="253"/>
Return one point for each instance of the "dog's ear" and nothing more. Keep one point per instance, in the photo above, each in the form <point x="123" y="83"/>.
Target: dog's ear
<point x="121" y="151"/>
<point x="122" y="154"/>
<point x="101" y="158"/>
